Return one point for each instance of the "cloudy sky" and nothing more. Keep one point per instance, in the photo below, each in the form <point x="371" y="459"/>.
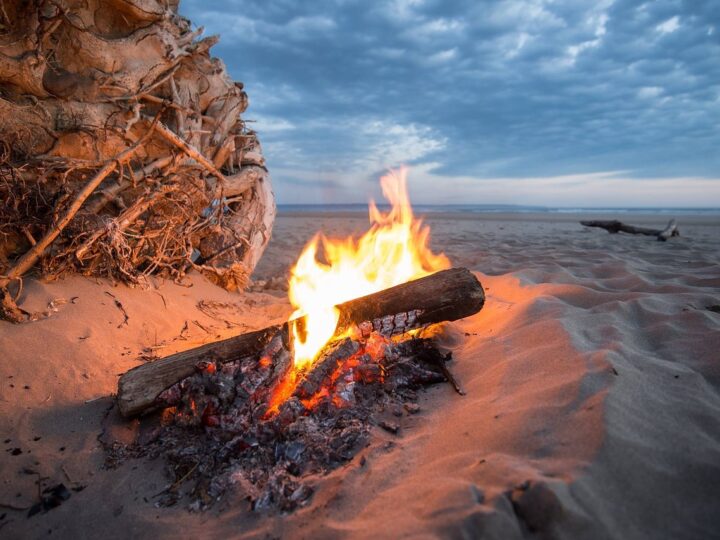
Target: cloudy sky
<point x="548" y="102"/>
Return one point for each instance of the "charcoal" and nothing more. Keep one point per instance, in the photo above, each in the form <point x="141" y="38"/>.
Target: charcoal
<point x="220" y="436"/>
<point x="294" y="450"/>
<point x="324" y="367"/>
<point x="50" y="498"/>
<point x="391" y="427"/>
<point x="301" y="494"/>
<point x="412" y="408"/>
<point x="290" y="410"/>
<point x="369" y="373"/>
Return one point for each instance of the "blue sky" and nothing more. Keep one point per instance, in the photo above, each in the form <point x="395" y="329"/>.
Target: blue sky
<point x="549" y="102"/>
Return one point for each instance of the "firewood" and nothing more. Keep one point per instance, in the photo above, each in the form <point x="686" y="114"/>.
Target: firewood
<point x="444" y="296"/>
<point x="615" y="226"/>
<point x="324" y="367"/>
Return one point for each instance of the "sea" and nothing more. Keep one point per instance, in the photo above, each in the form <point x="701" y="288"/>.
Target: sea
<point x="500" y="208"/>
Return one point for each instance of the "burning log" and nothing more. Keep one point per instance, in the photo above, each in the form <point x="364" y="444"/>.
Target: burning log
<point x="314" y="380"/>
<point x="615" y="226"/>
<point x="444" y="296"/>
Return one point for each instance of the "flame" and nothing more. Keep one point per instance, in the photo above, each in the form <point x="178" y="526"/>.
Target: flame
<point x="394" y="250"/>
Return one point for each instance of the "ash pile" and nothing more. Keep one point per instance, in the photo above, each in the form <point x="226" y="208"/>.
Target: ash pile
<point x="264" y="430"/>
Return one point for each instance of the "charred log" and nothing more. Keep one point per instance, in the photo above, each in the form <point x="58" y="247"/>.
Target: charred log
<point x="444" y="296"/>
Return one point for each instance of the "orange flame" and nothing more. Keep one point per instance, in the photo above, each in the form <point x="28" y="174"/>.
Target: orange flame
<point x="394" y="250"/>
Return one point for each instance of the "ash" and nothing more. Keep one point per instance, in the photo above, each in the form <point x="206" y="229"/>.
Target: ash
<point x="250" y="428"/>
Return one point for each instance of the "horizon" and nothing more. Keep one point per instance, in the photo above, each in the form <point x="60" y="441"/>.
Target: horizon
<point x="503" y="205"/>
<point x="527" y="102"/>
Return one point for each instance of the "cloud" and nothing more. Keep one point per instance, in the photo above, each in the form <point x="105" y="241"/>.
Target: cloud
<point x="236" y="28"/>
<point x="490" y="92"/>
<point x="396" y="144"/>
<point x="402" y="11"/>
<point x="594" y="190"/>
<point x="307" y="27"/>
<point x="669" y="26"/>
<point x="443" y="57"/>
<point x="270" y="124"/>
<point x="649" y="92"/>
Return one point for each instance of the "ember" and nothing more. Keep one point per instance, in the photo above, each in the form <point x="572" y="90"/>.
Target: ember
<point x="215" y="432"/>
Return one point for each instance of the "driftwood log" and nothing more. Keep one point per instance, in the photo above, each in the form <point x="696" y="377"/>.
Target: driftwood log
<point x="444" y="296"/>
<point x="122" y="149"/>
<point x="614" y="226"/>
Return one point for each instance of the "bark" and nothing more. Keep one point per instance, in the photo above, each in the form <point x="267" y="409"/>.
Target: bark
<point x="444" y="296"/>
<point x="80" y="83"/>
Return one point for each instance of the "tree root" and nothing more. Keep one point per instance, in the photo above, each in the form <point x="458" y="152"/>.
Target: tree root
<point x="88" y="185"/>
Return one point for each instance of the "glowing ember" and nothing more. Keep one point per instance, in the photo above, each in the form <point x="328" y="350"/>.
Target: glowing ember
<point x="394" y="250"/>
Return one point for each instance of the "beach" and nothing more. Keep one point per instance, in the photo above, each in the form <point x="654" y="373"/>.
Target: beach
<point x="592" y="406"/>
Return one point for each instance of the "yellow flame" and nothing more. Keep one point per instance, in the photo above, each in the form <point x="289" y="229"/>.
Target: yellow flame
<point x="394" y="250"/>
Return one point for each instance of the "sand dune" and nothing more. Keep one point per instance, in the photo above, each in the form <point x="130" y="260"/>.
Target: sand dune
<point x="592" y="407"/>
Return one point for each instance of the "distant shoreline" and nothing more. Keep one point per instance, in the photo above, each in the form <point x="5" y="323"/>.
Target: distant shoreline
<point x="655" y="216"/>
<point x="361" y="217"/>
<point x="305" y="209"/>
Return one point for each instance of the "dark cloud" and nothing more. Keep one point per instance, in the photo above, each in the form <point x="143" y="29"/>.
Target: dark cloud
<point x="490" y="89"/>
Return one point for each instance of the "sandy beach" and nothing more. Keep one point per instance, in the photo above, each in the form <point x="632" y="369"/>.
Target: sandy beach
<point x="592" y="409"/>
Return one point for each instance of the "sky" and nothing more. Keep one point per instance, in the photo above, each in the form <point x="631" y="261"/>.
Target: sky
<point x="528" y="102"/>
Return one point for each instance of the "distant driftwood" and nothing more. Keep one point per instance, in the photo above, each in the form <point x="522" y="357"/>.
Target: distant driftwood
<point x="614" y="226"/>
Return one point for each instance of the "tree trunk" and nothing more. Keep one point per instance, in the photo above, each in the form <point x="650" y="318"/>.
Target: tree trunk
<point x="122" y="150"/>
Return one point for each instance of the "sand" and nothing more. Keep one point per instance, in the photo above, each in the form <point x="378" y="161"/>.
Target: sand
<point x="592" y="407"/>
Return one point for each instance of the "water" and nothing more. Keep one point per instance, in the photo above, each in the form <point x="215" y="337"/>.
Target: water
<point x="501" y="208"/>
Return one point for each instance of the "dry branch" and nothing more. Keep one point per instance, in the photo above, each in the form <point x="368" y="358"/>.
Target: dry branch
<point x="445" y="296"/>
<point x="190" y="151"/>
<point x="615" y="226"/>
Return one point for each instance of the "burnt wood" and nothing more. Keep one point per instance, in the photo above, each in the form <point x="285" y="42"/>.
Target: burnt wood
<point x="444" y="296"/>
<point x="614" y="226"/>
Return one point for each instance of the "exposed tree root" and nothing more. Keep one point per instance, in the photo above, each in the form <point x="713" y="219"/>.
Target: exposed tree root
<point x="88" y="183"/>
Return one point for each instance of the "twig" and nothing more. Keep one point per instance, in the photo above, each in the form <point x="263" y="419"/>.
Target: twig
<point x="167" y="103"/>
<point x="24" y="263"/>
<point x="190" y="151"/>
<point x="106" y="195"/>
<point x="201" y="327"/>
<point x="123" y="221"/>
<point x="440" y="361"/>
<point x="163" y="298"/>
<point x="119" y="305"/>
<point x="175" y="484"/>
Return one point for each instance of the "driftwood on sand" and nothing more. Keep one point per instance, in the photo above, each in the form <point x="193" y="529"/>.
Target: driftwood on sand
<point x="122" y="149"/>
<point x="614" y="226"/>
<point x="444" y="296"/>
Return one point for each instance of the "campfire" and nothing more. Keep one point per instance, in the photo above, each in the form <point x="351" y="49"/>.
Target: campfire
<point x="264" y="413"/>
<point x="392" y="252"/>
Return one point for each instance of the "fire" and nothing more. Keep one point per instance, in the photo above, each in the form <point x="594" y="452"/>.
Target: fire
<point x="394" y="250"/>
